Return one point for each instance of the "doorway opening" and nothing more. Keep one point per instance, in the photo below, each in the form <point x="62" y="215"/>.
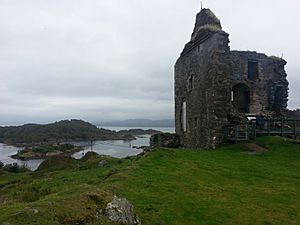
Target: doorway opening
<point x="241" y="97"/>
<point x="278" y="99"/>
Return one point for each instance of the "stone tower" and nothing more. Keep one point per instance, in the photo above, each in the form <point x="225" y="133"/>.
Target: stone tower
<point x="215" y="86"/>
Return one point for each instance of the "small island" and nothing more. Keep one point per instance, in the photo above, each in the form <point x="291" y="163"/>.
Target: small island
<point x="46" y="150"/>
<point x="63" y="131"/>
<point x="29" y="135"/>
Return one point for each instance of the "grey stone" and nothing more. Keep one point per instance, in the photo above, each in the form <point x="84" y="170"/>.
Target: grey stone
<point x="122" y="211"/>
<point x="3" y="200"/>
<point x="165" y="140"/>
<point x="35" y="211"/>
<point x="217" y="86"/>
<point x="103" y="163"/>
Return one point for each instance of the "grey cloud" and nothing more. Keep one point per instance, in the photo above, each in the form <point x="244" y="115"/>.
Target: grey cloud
<point x="113" y="59"/>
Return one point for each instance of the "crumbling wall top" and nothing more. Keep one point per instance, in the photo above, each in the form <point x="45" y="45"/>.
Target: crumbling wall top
<point x="206" y="19"/>
<point x="207" y="24"/>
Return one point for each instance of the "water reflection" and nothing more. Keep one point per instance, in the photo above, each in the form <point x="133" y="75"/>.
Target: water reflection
<point x="118" y="149"/>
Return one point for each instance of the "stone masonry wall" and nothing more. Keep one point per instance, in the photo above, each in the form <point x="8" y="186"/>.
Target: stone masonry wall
<point x="201" y="65"/>
<point x="205" y="75"/>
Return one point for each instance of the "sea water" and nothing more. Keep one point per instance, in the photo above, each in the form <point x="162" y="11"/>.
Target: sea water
<point x="114" y="148"/>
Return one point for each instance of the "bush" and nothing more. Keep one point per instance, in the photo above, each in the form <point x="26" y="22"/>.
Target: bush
<point x="15" y="168"/>
<point x="1" y="164"/>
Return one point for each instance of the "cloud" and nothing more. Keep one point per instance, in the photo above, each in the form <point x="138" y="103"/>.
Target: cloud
<point x="104" y="60"/>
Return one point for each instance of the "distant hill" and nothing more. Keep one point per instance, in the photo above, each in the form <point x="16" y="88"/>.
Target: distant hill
<point x="58" y="131"/>
<point x="135" y="132"/>
<point x="139" y="123"/>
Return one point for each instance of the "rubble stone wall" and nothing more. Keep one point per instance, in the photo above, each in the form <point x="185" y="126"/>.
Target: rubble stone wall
<point x="205" y="76"/>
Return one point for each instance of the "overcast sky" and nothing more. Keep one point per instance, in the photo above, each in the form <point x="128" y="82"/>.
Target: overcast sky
<point x="104" y="60"/>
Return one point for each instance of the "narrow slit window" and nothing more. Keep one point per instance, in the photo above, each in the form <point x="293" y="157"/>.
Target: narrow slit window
<point x="195" y="121"/>
<point x="191" y="83"/>
<point x="183" y="117"/>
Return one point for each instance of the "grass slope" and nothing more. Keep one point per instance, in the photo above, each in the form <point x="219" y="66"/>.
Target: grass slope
<point x="224" y="186"/>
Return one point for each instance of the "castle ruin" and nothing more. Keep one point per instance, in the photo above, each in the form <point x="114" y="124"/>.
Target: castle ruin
<point x="215" y="86"/>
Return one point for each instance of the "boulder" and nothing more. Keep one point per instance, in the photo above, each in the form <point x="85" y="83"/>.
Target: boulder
<point x="34" y="211"/>
<point x="103" y="163"/>
<point x="165" y="140"/>
<point x="121" y="210"/>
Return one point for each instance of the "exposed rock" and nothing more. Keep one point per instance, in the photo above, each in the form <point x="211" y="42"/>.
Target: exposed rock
<point x="143" y="147"/>
<point x="253" y="148"/>
<point x="111" y="172"/>
<point x="122" y="211"/>
<point x="35" y="211"/>
<point x="103" y="163"/>
<point x="90" y="155"/>
<point x="3" y="200"/>
<point x="145" y="150"/>
<point x="165" y="140"/>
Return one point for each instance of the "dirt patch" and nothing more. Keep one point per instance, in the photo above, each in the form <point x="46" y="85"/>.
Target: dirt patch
<point x="253" y="148"/>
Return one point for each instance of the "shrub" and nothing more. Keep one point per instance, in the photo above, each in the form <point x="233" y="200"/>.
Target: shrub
<point x="15" y="168"/>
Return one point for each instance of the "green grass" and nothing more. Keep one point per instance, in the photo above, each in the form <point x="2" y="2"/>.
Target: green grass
<point x="223" y="186"/>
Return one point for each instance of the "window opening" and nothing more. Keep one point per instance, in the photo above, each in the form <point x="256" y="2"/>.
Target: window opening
<point x="252" y="70"/>
<point x="183" y="117"/>
<point x="278" y="99"/>
<point x="241" y="98"/>
<point x="191" y="83"/>
<point x="195" y="121"/>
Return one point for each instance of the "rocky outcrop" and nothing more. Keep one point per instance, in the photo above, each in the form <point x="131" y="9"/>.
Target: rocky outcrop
<point x="122" y="211"/>
<point x="103" y="163"/>
<point x="166" y="140"/>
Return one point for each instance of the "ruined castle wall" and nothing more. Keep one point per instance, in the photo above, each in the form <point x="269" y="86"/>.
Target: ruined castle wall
<point x="215" y="86"/>
<point x="271" y="79"/>
<point x="214" y="71"/>
<point x="195" y="84"/>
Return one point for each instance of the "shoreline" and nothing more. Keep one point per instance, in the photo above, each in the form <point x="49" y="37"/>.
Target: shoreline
<point x="62" y="141"/>
<point x="79" y="143"/>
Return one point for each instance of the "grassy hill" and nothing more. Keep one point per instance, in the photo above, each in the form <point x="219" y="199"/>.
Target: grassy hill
<point x="229" y="185"/>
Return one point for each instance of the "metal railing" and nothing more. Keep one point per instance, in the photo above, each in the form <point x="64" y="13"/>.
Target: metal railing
<point x="262" y="127"/>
